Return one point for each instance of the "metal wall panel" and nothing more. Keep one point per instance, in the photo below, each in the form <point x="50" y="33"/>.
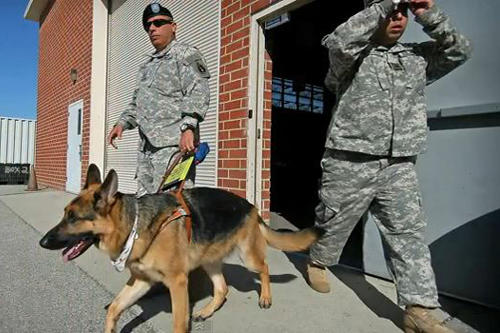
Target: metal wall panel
<point x="198" y="25"/>
<point x="460" y="188"/>
<point x="17" y="140"/>
<point x="475" y="83"/>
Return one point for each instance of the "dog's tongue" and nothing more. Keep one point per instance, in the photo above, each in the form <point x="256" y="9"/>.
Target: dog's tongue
<point x="71" y="253"/>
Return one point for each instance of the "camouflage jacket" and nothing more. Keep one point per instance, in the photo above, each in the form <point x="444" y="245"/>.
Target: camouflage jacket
<point x="380" y="107"/>
<point x="171" y="89"/>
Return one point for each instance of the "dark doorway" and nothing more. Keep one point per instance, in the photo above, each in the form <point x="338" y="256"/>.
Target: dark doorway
<point x="302" y="106"/>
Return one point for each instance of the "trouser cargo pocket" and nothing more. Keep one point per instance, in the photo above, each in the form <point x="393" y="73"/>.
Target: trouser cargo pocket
<point x="328" y="206"/>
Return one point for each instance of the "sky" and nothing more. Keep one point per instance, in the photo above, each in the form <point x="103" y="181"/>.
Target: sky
<point x="18" y="61"/>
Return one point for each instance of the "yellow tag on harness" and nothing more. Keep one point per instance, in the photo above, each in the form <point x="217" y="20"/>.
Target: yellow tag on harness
<point x="180" y="171"/>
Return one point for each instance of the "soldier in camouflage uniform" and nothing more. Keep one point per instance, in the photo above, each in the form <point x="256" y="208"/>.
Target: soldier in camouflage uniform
<point x="170" y="99"/>
<point x="378" y="128"/>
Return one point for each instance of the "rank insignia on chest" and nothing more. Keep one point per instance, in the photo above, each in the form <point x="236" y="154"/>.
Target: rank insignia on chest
<point x="395" y="65"/>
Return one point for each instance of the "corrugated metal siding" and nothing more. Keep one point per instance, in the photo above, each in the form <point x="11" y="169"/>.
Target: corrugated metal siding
<point x="17" y="140"/>
<point x="128" y="43"/>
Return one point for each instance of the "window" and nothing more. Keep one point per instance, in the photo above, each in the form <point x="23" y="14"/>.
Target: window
<point x="79" y="125"/>
<point x="294" y="95"/>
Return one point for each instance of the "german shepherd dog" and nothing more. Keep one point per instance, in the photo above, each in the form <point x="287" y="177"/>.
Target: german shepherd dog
<point x="221" y="222"/>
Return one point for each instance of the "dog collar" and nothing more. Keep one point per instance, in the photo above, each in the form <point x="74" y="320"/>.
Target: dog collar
<point x="119" y="263"/>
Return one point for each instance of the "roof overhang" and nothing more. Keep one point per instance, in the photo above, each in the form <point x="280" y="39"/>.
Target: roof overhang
<point x="35" y="9"/>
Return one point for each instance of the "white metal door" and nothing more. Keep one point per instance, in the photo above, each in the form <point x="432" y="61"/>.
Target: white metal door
<point x="74" y="153"/>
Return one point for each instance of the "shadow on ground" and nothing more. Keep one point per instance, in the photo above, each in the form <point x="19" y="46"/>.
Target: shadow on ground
<point x="377" y="302"/>
<point x="463" y="261"/>
<point x="157" y="300"/>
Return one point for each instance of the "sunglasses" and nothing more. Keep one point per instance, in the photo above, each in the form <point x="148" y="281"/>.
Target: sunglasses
<point x="404" y="6"/>
<point x="157" y="23"/>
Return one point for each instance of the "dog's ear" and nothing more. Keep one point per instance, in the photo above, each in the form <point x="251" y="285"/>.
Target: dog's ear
<point x="93" y="176"/>
<point x="106" y="193"/>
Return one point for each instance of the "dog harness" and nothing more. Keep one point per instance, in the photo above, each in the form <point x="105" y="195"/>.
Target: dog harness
<point x="182" y="211"/>
<point x="119" y="263"/>
<point x="200" y="153"/>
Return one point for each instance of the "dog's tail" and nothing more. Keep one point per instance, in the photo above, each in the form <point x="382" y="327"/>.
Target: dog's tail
<point x="291" y="241"/>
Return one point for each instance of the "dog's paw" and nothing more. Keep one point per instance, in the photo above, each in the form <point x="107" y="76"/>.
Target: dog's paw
<point x="198" y="318"/>
<point x="265" y="302"/>
<point x="201" y="316"/>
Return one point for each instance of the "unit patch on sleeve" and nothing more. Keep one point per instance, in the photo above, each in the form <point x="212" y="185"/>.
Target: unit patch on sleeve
<point x="198" y="65"/>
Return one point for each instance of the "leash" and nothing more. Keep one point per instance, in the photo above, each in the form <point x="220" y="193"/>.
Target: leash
<point x="170" y="168"/>
<point x="184" y="210"/>
<point x="197" y="156"/>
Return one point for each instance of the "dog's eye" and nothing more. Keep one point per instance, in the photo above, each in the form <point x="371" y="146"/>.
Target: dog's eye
<point x="70" y="216"/>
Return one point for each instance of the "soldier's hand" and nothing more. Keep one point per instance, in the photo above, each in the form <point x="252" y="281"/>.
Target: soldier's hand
<point x="418" y="7"/>
<point x="116" y="132"/>
<point x="186" y="142"/>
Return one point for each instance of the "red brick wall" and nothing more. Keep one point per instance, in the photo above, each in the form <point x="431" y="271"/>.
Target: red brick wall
<point x="65" y="40"/>
<point x="233" y="107"/>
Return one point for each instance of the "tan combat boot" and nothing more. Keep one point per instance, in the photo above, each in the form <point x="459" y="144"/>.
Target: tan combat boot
<point x="317" y="278"/>
<point x="418" y="319"/>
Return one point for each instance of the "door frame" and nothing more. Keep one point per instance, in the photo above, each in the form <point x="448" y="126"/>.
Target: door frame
<point x="256" y="94"/>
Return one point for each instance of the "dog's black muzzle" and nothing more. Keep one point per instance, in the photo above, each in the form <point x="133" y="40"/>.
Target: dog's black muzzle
<point x="53" y="240"/>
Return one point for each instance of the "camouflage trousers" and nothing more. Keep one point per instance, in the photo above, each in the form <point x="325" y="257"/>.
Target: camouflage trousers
<point x="353" y="184"/>
<point x="152" y="163"/>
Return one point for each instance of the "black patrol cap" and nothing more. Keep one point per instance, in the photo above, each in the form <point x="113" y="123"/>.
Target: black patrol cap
<point x="152" y="10"/>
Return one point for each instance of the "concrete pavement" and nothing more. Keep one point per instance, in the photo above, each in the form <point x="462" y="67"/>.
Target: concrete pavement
<point x="40" y="294"/>
<point x="358" y="303"/>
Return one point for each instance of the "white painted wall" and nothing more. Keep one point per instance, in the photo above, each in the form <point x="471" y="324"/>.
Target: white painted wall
<point x="97" y="133"/>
